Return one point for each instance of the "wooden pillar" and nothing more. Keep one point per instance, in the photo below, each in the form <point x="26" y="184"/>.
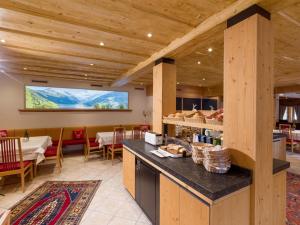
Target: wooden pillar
<point x="248" y="103"/>
<point x="164" y="91"/>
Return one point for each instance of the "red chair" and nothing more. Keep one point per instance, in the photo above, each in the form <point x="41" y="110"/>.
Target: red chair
<point x="54" y="152"/>
<point x="144" y="128"/>
<point x="287" y="130"/>
<point x="136" y="133"/>
<point x="117" y="146"/>
<point x="11" y="161"/>
<point x="3" y="133"/>
<point x="92" y="146"/>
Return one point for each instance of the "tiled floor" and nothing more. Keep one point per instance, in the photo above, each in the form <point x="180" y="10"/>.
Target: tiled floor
<point x="111" y="204"/>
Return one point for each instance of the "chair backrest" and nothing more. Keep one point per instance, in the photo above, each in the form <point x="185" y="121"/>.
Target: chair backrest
<point x="119" y="135"/>
<point x="11" y="152"/>
<point x="59" y="146"/>
<point x="286" y="129"/>
<point x="3" y="133"/>
<point x="144" y="129"/>
<point x="136" y="133"/>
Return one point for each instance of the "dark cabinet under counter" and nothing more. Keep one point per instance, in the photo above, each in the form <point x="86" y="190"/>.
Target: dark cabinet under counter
<point x="147" y="190"/>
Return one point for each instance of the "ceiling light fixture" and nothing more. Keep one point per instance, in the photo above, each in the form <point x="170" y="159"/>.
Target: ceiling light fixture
<point x="178" y="83"/>
<point x="149" y="35"/>
<point x="3" y="41"/>
<point x="209" y="49"/>
<point x="101" y="43"/>
<point x="85" y="74"/>
<point x="25" y="68"/>
<point x="141" y="84"/>
<point x="91" y="64"/>
<point x="203" y="78"/>
<point x="198" y="62"/>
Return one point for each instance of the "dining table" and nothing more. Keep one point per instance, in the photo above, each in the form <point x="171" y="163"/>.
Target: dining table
<point x="34" y="148"/>
<point x="295" y="134"/>
<point x="106" y="138"/>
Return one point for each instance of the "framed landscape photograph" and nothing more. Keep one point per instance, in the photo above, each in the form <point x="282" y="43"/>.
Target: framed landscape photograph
<point x="54" y="98"/>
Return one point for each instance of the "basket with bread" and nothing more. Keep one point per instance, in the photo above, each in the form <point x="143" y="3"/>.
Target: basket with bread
<point x="215" y="118"/>
<point x="195" y="117"/>
<point x="175" y="117"/>
<point x="197" y="151"/>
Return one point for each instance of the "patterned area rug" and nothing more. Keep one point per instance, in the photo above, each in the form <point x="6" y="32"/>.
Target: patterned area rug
<point x="55" y="202"/>
<point x="293" y="199"/>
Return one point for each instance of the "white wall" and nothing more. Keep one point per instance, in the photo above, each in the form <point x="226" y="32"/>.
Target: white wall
<point x="12" y="99"/>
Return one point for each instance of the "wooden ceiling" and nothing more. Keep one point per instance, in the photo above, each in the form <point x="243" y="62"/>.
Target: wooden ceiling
<point x="61" y="39"/>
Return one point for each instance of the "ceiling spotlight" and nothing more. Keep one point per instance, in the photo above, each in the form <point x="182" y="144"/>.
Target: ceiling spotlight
<point x="85" y="75"/>
<point x="91" y="64"/>
<point x="141" y="84"/>
<point x="149" y="35"/>
<point x="209" y="49"/>
<point x="25" y="68"/>
<point x="3" y="41"/>
<point x="178" y="83"/>
<point x="203" y="78"/>
<point x="85" y="78"/>
<point x="101" y="43"/>
<point x="198" y="62"/>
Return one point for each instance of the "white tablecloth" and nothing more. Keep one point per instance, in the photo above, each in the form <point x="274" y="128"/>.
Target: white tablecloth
<point x="106" y="138"/>
<point x="35" y="147"/>
<point x="295" y="133"/>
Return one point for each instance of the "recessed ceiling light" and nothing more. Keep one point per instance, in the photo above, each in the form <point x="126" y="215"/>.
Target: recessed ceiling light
<point x="85" y="74"/>
<point x="85" y="78"/>
<point x="101" y="43"/>
<point x="209" y="49"/>
<point x="142" y="84"/>
<point x="3" y="41"/>
<point x="91" y="64"/>
<point x="203" y="78"/>
<point x="149" y="35"/>
<point x="198" y="62"/>
<point x="178" y="83"/>
<point x="25" y="68"/>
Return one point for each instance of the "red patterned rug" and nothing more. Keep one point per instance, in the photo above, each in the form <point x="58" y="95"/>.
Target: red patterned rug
<point x="55" y="202"/>
<point x="293" y="199"/>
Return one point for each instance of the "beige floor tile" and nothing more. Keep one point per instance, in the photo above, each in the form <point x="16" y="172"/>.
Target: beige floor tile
<point x="121" y="221"/>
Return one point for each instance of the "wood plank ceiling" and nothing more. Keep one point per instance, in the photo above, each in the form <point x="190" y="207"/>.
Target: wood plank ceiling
<point x="98" y="41"/>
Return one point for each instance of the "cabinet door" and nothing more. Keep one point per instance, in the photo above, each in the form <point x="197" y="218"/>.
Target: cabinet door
<point x="129" y="171"/>
<point x="192" y="210"/>
<point x="169" y="201"/>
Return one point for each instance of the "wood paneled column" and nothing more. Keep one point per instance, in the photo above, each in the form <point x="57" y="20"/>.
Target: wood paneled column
<point x="248" y="103"/>
<point x="164" y="91"/>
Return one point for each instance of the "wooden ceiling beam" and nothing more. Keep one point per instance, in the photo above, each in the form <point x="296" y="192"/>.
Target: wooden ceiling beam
<point x="203" y="27"/>
<point x="67" y="65"/>
<point x="21" y="70"/>
<point x="64" y="69"/>
<point x="34" y="11"/>
<point x="68" y="56"/>
<point x="287" y="89"/>
<point x="67" y="41"/>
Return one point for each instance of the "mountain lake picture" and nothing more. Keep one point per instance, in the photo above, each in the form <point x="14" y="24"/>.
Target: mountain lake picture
<point x="69" y="98"/>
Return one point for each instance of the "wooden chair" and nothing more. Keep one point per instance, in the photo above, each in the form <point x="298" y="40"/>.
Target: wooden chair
<point x="92" y="146"/>
<point x="287" y="130"/>
<point x="117" y="146"/>
<point x="54" y="152"/>
<point x="144" y="129"/>
<point x="11" y="161"/>
<point x="136" y="133"/>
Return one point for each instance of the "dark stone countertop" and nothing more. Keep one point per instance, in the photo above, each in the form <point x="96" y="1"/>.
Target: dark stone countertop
<point x="277" y="136"/>
<point x="211" y="185"/>
<point x="279" y="165"/>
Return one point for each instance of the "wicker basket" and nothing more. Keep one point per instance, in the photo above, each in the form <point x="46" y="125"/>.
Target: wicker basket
<point x="173" y="119"/>
<point x="191" y="119"/>
<point x="216" y="161"/>
<point x="213" y="121"/>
